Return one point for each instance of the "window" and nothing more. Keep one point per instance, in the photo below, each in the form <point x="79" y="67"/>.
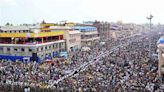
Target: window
<point x="1" y="49"/>
<point x="82" y="36"/>
<point x="8" y="49"/>
<point x="30" y="50"/>
<point x="41" y="48"/>
<point x="46" y="47"/>
<point x="37" y="49"/>
<point x="15" y="49"/>
<point x="59" y="45"/>
<point x="22" y="49"/>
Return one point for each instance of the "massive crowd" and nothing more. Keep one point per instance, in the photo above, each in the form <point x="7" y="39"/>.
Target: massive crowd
<point x="125" y="69"/>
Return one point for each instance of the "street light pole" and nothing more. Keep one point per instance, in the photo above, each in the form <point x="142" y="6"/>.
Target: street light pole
<point x="150" y="18"/>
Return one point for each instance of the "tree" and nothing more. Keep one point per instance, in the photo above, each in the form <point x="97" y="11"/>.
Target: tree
<point x="43" y="22"/>
<point x="7" y="24"/>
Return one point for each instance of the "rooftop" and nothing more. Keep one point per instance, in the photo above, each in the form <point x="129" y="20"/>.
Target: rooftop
<point x="61" y="27"/>
<point x="85" y="28"/>
<point x="74" y="32"/>
<point x="11" y="28"/>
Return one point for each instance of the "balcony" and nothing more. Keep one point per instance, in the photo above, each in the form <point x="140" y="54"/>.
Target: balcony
<point x="32" y="35"/>
<point x="30" y="41"/>
<point x="31" y="44"/>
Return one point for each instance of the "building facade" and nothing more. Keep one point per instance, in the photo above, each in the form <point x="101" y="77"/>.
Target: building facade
<point x="89" y="35"/>
<point x="73" y="40"/>
<point x="72" y="37"/>
<point x="103" y="29"/>
<point x="119" y="30"/>
<point x="23" y="42"/>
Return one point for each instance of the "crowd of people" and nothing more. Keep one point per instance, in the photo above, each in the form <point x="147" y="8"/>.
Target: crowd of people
<point x="126" y="68"/>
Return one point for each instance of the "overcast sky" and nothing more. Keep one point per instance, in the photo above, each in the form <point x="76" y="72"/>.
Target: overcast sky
<point x="32" y="11"/>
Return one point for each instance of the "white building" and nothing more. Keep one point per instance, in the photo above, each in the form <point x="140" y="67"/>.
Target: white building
<point x="89" y="35"/>
<point x="72" y="37"/>
<point x="73" y="40"/>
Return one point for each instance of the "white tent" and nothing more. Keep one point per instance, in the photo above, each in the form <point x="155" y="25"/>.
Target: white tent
<point x="85" y="49"/>
<point x="102" y="43"/>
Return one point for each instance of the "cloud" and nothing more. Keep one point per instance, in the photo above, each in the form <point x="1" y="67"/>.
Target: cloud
<point x="80" y="10"/>
<point x="8" y="3"/>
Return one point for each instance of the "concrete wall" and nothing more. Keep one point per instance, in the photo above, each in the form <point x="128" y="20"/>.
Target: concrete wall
<point x="73" y="39"/>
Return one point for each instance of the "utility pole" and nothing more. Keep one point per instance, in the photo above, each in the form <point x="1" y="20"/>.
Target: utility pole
<point x="150" y="18"/>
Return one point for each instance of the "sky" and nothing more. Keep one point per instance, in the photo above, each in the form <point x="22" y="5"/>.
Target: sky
<point x="127" y="11"/>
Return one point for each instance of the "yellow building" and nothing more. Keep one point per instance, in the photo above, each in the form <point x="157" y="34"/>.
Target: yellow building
<point x="30" y="42"/>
